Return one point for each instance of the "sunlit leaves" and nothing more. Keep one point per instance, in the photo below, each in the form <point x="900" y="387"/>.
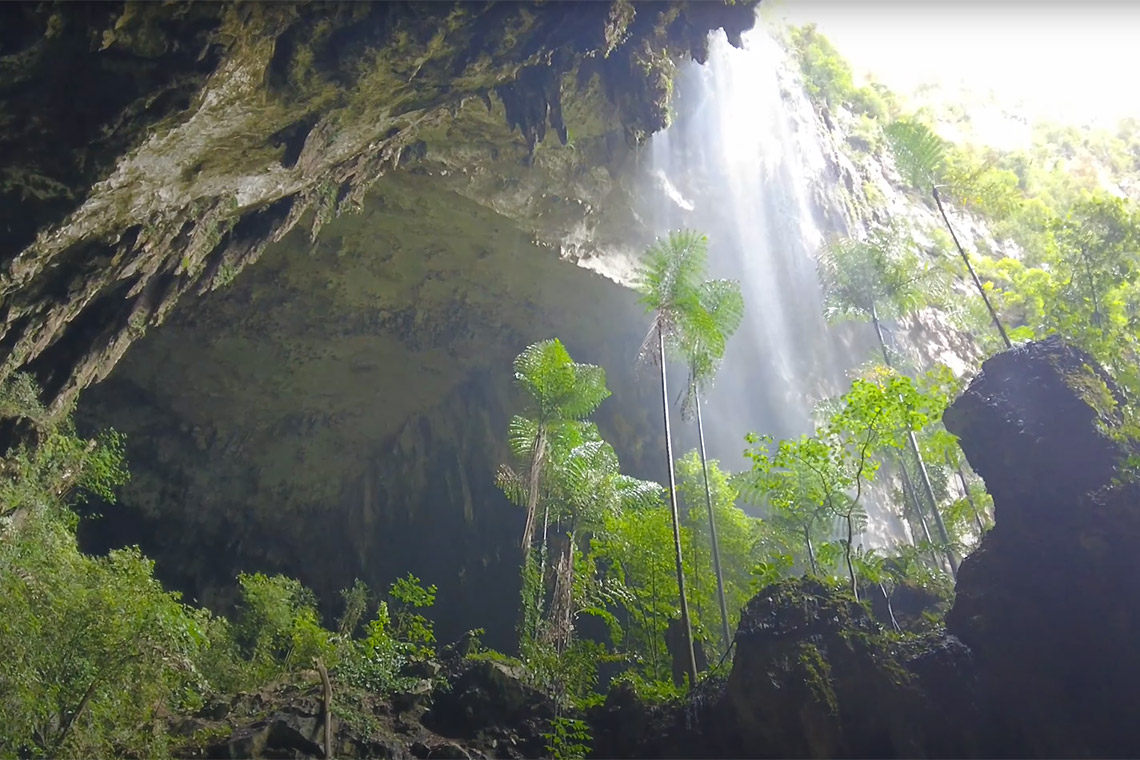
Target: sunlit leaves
<point x="670" y="276"/>
<point x="587" y="484"/>
<point x="558" y="386"/>
<point x="737" y="536"/>
<point x="703" y="335"/>
<point x="920" y="155"/>
<point x="881" y="275"/>
<point x="1083" y="285"/>
<point x="809" y="482"/>
<point x="560" y="394"/>
<point x="696" y="316"/>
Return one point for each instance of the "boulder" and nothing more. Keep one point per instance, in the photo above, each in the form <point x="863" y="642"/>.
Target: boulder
<point x="814" y="675"/>
<point x="1050" y="601"/>
<point x="489" y="702"/>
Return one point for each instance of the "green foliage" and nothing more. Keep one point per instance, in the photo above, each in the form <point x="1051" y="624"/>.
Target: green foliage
<point x="631" y="548"/>
<point x="409" y="626"/>
<point x="703" y="348"/>
<point x="557" y="387"/>
<point x="920" y="155"/>
<point x="568" y="739"/>
<point x="560" y="394"/>
<point x="696" y="316"/>
<point x="94" y="647"/>
<point x="569" y="674"/>
<point x="1082" y="284"/>
<point x="881" y="276"/>
<point x="737" y="534"/>
<point x="774" y="567"/>
<point x="814" y="484"/>
<point x="278" y="625"/>
<point x="32" y="477"/>
<point x="828" y="78"/>
<point x="355" y="604"/>
<point x="374" y="662"/>
<point x="649" y="691"/>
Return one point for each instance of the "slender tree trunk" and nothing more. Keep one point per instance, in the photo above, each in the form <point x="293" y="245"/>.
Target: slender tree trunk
<point x="532" y="492"/>
<point x="938" y="523"/>
<point x="540" y="591"/>
<point x="969" y="497"/>
<point x="653" y="614"/>
<point x="923" y="474"/>
<point x="810" y="551"/>
<point x="562" y="609"/>
<point x="326" y="707"/>
<point x="908" y="487"/>
<point x="1097" y="320"/>
<point x="83" y="702"/>
<point x="878" y="334"/>
<point x="970" y="268"/>
<point x="686" y="625"/>
<point x="712" y="531"/>
<point x="847" y="555"/>
<point x="890" y="608"/>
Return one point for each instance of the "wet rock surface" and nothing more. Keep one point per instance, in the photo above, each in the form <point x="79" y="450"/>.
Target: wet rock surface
<point x="1050" y="601"/>
<point x="474" y="709"/>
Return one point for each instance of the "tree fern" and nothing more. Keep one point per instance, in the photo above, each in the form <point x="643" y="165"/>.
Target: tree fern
<point x="703" y="336"/>
<point x="558" y="386"/>
<point x="695" y="318"/>
<point x="881" y="275"/>
<point x="920" y="155"/>
<point x="669" y="280"/>
<point x="560" y="393"/>
<point x="921" y="158"/>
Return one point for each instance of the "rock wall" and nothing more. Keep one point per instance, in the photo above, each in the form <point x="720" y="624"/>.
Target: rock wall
<point x="1050" y="601"/>
<point x="200" y="134"/>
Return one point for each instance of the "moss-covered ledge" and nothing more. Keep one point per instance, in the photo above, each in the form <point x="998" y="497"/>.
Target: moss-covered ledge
<point x="222" y="124"/>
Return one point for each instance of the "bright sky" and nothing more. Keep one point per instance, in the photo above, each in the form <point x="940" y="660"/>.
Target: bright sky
<point x="1069" y="61"/>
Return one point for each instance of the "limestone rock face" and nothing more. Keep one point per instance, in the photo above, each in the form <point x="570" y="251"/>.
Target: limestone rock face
<point x="1050" y="601"/>
<point x="814" y="675"/>
<point x="1037" y="422"/>
<point x="154" y="150"/>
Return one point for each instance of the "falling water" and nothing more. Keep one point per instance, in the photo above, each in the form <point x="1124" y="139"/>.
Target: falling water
<point x="744" y="163"/>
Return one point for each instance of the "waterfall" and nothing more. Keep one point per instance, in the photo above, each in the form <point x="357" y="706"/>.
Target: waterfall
<point x="744" y="162"/>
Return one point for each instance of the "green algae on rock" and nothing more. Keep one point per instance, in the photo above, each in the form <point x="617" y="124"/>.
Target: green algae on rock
<point x="230" y="121"/>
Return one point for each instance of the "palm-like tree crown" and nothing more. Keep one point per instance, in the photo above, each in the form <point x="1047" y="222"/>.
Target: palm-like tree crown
<point x="920" y="155"/>
<point x="696" y="316"/>
<point x="670" y="280"/>
<point x="558" y="386"/>
<point x="882" y="273"/>
<point x="561" y="393"/>
<point x="590" y="484"/>
<point x="723" y="307"/>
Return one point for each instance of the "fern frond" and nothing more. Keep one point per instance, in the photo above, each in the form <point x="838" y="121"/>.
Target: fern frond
<point x="511" y="484"/>
<point x="920" y="155"/>
<point x="522" y="434"/>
